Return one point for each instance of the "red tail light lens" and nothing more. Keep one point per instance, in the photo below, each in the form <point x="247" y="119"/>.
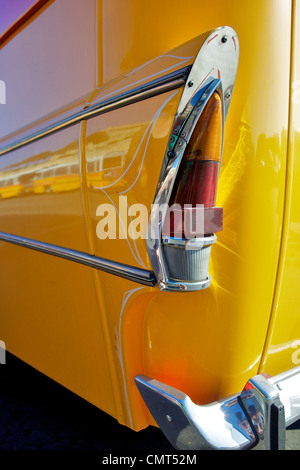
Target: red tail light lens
<point x="197" y="178"/>
<point x="197" y="183"/>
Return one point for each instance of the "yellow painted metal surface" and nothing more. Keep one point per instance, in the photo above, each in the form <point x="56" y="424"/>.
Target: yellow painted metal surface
<point x="49" y="311"/>
<point x="282" y="348"/>
<point x="91" y="331"/>
<point x="209" y="343"/>
<point x="50" y="315"/>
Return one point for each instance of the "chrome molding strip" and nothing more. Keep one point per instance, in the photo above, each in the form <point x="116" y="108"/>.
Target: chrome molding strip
<point x="155" y="87"/>
<point x="141" y="276"/>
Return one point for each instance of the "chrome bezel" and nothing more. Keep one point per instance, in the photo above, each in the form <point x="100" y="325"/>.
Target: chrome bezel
<point x="191" y="243"/>
<point x="214" y="69"/>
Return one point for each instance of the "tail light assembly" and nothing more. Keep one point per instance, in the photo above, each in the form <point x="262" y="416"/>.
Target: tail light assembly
<point x="184" y="218"/>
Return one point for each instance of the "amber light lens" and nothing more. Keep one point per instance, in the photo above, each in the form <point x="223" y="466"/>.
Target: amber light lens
<point x="198" y="175"/>
<point x="197" y="178"/>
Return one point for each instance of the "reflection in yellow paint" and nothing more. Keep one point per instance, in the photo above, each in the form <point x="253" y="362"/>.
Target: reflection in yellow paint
<point x="42" y="173"/>
<point x="109" y="152"/>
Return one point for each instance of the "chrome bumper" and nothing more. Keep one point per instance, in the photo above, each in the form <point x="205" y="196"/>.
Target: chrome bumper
<point x="256" y="417"/>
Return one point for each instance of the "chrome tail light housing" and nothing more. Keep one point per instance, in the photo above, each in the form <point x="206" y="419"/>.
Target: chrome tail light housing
<point x="179" y="251"/>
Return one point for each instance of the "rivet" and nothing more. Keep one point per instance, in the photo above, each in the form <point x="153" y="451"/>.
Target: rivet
<point x="224" y="39"/>
<point x="169" y="418"/>
<point x="171" y="154"/>
<point x="172" y="139"/>
<point x="228" y="95"/>
<point x="180" y="143"/>
<point x="191" y="83"/>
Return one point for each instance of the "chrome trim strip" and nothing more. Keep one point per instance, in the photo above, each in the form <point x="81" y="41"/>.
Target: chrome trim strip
<point x="141" y="276"/>
<point x="256" y="417"/>
<point x="155" y="87"/>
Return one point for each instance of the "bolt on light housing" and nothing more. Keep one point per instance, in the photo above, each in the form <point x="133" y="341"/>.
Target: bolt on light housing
<point x="180" y="248"/>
